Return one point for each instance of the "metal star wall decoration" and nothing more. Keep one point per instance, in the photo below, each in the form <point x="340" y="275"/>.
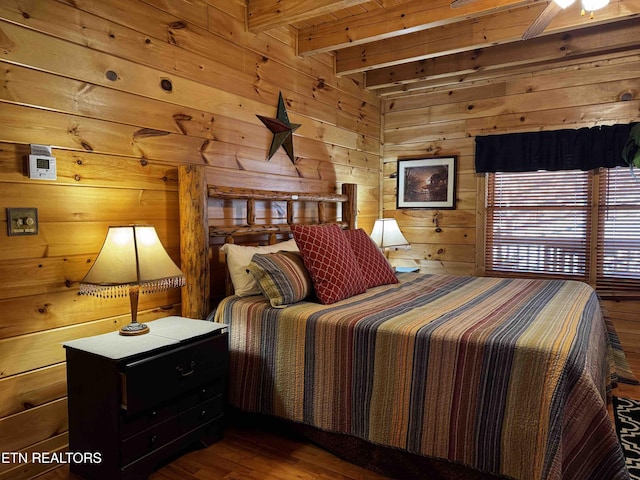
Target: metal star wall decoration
<point x="282" y="130"/>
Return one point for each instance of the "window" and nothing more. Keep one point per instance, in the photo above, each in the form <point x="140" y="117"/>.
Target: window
<point x="565" y="224"/>
<point x="618" y="252"/>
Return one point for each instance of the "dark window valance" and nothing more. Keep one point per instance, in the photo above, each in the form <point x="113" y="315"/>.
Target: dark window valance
<point x="582" y="149"/>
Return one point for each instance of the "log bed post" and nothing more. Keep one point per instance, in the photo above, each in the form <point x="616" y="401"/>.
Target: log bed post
<point x="350" y="208"/>
<point x="194" y="240"/>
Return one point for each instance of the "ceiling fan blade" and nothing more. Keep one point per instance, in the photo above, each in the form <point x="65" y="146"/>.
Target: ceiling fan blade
<point x="544" y="19"/>
<point x="461" y="3"/>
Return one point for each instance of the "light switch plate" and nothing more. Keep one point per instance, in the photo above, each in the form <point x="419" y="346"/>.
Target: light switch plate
<point x="22" y="221"/>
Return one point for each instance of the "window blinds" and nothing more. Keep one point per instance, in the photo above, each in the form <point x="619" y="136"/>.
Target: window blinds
<point x="538" y="223"/>
<point x="566" y="225"/>
<point x="618" y="245"/>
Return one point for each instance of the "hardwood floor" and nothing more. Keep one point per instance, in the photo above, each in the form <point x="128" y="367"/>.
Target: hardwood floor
<point x="631" y="391"/>
<point x="250" y="453"/>
<point x="247" y="453"/>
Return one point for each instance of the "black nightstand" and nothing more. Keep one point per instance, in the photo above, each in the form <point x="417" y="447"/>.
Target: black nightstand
<point x="136" y="401"/>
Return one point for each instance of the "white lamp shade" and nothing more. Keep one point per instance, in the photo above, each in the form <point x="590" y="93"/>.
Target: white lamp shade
<point x="564" y="3"/>
<point x="588" y="5"/>
<point x="591" y="5"/>
<point x="386" y="233"/>
<point x="132" y="255"/>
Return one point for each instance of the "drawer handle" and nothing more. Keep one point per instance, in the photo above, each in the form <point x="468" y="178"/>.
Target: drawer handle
<point x="186" y="374"/>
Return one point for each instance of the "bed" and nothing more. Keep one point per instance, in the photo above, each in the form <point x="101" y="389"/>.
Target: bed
<point x="462" y="377"/>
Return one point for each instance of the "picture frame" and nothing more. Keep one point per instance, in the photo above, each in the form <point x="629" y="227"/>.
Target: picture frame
<point x="428" y="182"/>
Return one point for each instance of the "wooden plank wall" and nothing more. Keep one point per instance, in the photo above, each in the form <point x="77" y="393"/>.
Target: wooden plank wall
<point x="86" y="76"/>
<point x="444" y="121"/>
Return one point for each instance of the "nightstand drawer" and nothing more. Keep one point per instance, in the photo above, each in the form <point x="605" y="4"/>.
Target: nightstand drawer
<point x="202" y="393"/>
<point x="153" y="380"/>
<point x="145" y="420"/>
<point x="149" y="440"/>
<point x="201" y="414"/>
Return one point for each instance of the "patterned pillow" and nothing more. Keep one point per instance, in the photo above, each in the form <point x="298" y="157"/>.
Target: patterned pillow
<point x="373" y="264"/>
<point x="282" y="277"/>
<point x="238" y="258"/>
<point x="331" y="263"/>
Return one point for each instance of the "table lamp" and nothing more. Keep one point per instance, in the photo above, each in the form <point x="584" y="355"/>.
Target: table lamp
<point x="131" y="260"/>
<point x="386" y="234"/>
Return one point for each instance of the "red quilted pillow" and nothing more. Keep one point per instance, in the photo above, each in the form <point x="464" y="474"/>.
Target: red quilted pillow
<point x="374" y="266"/>
<point x="331" y="262"/>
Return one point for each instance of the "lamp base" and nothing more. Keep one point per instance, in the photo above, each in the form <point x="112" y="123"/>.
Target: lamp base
<point x="134" y="328"/>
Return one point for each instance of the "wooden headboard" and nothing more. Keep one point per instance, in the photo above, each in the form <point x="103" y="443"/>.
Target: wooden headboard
<point x="201" y="232"/>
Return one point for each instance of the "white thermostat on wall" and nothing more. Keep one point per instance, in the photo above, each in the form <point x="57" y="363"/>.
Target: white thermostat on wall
<point x="42" y="165"/>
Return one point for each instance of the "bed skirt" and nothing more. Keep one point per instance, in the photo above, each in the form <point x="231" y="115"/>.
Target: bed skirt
<point x="390" y="462"/>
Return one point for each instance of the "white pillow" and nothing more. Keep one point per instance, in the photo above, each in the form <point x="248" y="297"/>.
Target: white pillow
<point x="238" y="259"/>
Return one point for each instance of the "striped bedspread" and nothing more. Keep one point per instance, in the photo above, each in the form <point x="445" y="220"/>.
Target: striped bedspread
<point x="508" y="376"/>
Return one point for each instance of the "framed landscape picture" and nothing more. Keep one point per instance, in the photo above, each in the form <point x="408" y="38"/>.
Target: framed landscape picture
<point x="427" y="182"/>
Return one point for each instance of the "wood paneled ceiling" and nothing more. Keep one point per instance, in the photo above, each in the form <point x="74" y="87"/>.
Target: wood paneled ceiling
<point x="408" y="45"/>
